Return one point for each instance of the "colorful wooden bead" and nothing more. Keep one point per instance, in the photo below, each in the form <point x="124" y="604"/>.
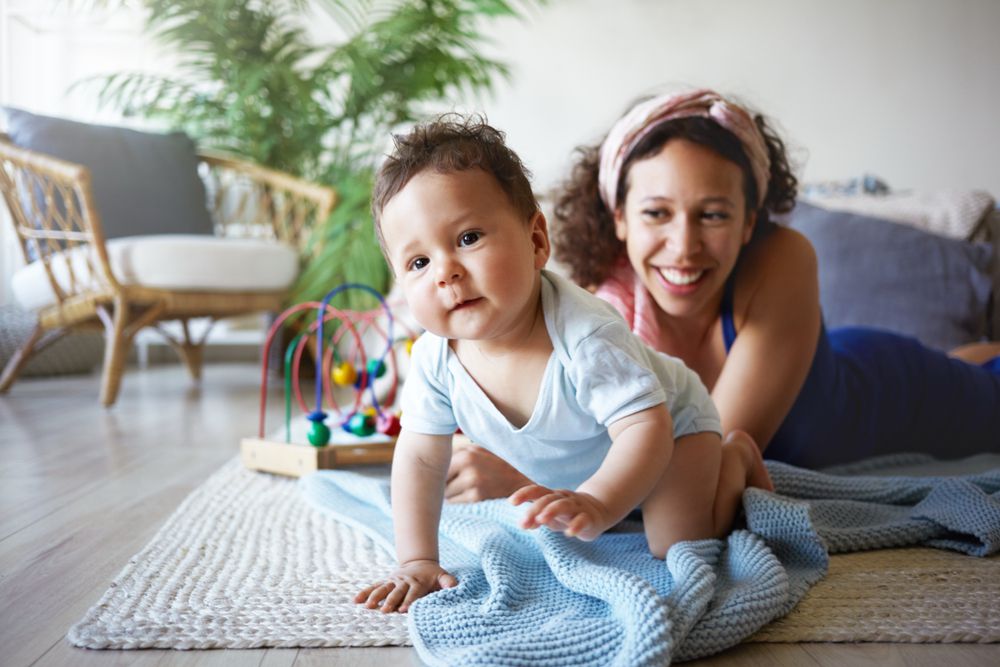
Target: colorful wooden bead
<point x="345" y="374"/>
<point x="361" y="424"/>
<point x="389" y="425"/>
<point x="376" y="368"/>
<point x="319" y="434"/>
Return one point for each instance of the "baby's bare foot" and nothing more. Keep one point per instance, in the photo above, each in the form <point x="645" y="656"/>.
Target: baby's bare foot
<point x="753" y="461"/>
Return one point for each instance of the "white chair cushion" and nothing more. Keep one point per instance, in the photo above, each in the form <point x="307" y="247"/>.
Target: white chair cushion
<point x="176" y="262"/>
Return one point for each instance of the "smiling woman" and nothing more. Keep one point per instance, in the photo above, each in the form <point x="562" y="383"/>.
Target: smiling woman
<point x="680" y="194"/>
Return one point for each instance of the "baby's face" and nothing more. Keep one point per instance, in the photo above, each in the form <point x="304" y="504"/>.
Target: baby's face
<point x="467" y="261"/>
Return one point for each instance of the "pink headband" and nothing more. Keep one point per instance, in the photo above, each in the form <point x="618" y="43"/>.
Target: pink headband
<point x="642" y="119"/>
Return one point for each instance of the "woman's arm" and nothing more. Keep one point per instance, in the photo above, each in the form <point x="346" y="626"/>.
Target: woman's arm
<point x="777" y="318"/>
<point x="478" y="474"/>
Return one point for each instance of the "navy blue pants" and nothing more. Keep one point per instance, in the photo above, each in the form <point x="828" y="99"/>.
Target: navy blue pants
<point x="871" y="392"/>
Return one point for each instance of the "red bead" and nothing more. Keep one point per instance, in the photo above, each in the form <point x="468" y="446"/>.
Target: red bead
<point x="389" y="425"/>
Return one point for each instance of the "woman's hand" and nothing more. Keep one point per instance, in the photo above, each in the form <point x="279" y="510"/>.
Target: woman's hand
<point x="570" y="512"/>
<point x="476" y="474"/>
<point x="411" y="581"/>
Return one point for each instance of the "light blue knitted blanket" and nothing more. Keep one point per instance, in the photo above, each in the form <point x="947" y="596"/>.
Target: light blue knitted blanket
<point x="538" y="598"/>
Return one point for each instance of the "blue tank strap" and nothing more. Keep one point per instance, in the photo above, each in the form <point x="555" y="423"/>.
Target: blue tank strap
<point x="726" y="313"/>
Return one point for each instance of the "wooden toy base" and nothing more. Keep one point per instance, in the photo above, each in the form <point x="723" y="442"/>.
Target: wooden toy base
<point x="283" y="458"/>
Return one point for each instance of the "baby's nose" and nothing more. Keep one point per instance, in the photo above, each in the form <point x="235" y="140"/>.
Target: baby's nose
<point x="448" y="272"/>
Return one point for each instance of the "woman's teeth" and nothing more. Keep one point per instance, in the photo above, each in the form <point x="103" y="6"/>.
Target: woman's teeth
<point x="675" y="277"/>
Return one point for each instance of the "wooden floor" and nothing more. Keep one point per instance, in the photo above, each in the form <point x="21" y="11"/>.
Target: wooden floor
<point x="83" y="488"/>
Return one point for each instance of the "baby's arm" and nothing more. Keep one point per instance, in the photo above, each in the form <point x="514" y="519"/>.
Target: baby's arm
<point x="641" y="447"/>
<point x="419" y="466"/>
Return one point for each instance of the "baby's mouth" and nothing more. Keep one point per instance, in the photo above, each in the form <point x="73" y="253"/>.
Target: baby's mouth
<point x="466" y="303"/>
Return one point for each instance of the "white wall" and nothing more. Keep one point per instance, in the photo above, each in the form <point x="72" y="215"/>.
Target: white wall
<point x="905" y="89"/>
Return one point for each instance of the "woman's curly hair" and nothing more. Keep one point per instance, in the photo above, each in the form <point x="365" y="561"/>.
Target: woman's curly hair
<point x="584" y="237"/>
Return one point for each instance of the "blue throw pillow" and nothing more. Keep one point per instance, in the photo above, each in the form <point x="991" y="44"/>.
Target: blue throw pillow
<point x="879" y="273"/>
<point x="143" y="183"/>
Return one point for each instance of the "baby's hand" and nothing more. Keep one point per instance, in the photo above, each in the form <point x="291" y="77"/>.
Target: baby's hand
<point x="411" y="581"/>
<point x="571" y="512"/>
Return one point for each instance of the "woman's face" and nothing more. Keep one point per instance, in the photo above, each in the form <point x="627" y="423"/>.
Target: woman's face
<point x="684" y="222"/>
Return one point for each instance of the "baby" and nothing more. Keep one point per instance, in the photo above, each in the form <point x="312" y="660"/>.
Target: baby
<point x="533" y="368"/>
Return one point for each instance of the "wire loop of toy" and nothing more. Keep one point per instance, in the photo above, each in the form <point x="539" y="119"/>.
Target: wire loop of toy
<point x="297" y="385"/>
<point x="352" y="362"/>
<point x="332" y="313"/>
<point x="365" y="383"/>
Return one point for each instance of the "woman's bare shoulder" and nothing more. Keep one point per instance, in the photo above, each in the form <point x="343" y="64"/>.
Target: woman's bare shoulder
<point x="783" y="251"/>
<point x="778" y="271"/>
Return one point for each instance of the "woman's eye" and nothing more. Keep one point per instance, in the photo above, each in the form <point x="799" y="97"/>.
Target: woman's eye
<point x="714" y="217"/>
<point x="656" y="214"/>
<point x="419" y="263"/>
<point x="469" y="238"/>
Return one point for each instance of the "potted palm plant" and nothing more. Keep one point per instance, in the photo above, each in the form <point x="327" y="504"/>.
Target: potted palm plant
<point x="251" y="81"/>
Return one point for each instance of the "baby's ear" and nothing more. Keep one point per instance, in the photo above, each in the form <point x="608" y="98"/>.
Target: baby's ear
<point x="540" y="239"/>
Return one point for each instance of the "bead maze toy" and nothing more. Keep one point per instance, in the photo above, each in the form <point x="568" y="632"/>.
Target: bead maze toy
<point x="365" y="427"/>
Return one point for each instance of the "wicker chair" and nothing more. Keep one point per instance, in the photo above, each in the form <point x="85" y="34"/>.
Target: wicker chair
<point x="59" y="229"/>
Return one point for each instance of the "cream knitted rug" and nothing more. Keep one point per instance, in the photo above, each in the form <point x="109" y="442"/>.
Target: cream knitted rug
<point x="245" y="562"/>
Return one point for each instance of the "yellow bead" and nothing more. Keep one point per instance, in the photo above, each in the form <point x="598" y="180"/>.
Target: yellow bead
<point x="409" y="346"/>
<point x="344" y="374"/>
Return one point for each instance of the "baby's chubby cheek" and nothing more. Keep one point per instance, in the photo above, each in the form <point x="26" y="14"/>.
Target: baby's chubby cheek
<point x="428" y="316"/>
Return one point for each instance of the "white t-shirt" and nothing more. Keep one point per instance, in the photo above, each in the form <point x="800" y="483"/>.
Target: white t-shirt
<point x="599" y="372"/>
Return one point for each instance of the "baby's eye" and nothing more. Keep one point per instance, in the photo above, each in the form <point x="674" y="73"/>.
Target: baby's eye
<point x="419" y="263"/>
<point x="469" y="238"/>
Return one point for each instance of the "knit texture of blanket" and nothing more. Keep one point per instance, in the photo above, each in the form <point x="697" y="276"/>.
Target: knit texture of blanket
<point x="539" y="598"/>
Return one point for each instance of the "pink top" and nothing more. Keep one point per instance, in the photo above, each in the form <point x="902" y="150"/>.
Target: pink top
<point x="623" y="290"/>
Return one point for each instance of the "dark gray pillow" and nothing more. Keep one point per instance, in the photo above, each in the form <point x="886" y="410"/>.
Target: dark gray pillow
<point x="143" y="183"/>
<point x="879" y="273"/>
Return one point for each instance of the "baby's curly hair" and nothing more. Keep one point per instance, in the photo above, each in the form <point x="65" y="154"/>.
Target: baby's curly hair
<point x="450" y="143"/>
<point x="584" y="237"/>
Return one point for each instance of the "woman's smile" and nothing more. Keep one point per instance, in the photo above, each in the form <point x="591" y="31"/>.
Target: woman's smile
<point x="680" y="282"/>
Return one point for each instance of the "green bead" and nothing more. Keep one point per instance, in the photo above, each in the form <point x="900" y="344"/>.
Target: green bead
<point x="361" y="424"/>
<point x="376" y="368"/>
<point x="319" y="434"/>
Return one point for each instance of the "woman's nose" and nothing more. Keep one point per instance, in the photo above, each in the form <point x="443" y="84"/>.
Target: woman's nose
<point x="684" y="237"/>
